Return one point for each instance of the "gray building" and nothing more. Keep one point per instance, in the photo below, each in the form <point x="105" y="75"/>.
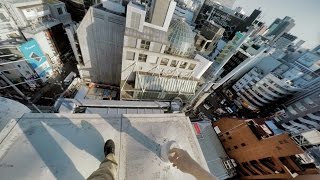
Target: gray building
<point x="207" y="37"/>
<point x="275" y="78"/>
<point x="100" y="36"/>
<point x="284" y="41"/>
<point x="280" y="26"/>
<point x="219" y="163"/>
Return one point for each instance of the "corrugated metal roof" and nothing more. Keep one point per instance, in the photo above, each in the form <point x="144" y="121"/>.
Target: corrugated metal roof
<point x="156" y="83"/>
<point x="213" y="151"/>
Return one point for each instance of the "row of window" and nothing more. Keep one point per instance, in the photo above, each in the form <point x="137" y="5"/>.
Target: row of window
<point x="164" y="61"/>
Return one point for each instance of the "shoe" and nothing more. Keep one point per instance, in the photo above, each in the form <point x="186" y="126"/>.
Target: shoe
<point x="109" y="147"/>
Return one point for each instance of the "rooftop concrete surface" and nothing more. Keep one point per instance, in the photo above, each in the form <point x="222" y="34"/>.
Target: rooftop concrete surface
<point x="70" y="146"/>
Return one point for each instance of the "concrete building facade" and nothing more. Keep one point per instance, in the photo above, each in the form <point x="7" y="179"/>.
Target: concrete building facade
<point x="258" y="153"/>
<point x="207" y="37"/>
<point x="100" y="36"/>
<point x="158" y="55"/>
<point x="274" y="78"/>
<point x="284" y="41"/>
<point x="279" y="27"/>
<point x="231" y="20"/>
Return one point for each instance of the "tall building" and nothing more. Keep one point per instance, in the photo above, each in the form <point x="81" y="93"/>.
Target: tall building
<point x="259" y="153"/>
<point x="143" y="50"/>
<point x="275" y="78"/>
<point x="231" y="20"/>
<point x="44" y="22"/>
<point x="158" y="55"/>
<point x="284" y="41"/>
<point x="207" y="38"/>
<point x="100" y="36"/>
<point x="280" y="26"/>
<point x="226" y="3"/>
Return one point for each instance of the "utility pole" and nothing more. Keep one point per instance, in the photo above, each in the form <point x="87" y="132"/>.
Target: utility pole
<point x="18" y="91"/>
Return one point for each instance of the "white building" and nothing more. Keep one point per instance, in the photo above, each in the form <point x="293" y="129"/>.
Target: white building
<point x="273" y="79"/>
<point x="41" y="21"/>
<point x="158" y="60"/>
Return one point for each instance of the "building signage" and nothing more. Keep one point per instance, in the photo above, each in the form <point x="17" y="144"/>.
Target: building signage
<point x="34" y="56"/>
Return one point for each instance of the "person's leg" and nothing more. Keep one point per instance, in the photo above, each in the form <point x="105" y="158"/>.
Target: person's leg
<point x="108" y="167"/>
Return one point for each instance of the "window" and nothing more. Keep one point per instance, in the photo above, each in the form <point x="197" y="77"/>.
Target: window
<point x="174" y="63"/>
<point x="19" y="66"/>
<point x="3" y="18"/>
<point x="229" y="149"/>
<point x="223" y="140"/>
<point x="135" y="20"/>
<point x="227" y="133"/>
<point x="28" y="72"/>
<point x="300" y="106"/>
<point x="292" y="111"/>
<point x="164" y="61"/>
<point x="145" y="44"/>
<point x="6" y="72"/>
<point x="243" y="144"/>
<point x="130" y="55"/>
<point x="230" y="137"/>
<point x="236" y="147"/>
<point x="183" y="65"/>
<point x="60" y="10"/>
<point x="142" y="58"/>
<point x="192" y="66"/>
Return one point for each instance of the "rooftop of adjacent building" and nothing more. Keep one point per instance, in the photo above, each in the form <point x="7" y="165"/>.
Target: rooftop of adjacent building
<point x="70" y="146"/>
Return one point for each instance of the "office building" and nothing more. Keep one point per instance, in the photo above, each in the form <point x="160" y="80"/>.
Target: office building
<point x="259" y="153"/>
<point x="226" y="3"/>
<point x="100" y="36"/>
<point x="207" y="38"/>
<point x="158" y="55"/>
<point x="261" y="28"/>
<point x="275" y="78"/>
<point x="231" y="20"/>
<point x="75" y="141"/>
<point x="279" y="27"/>
<point x="302" y="111"/>
<point x="44" y="22"/>
<point x="285" y="41"/>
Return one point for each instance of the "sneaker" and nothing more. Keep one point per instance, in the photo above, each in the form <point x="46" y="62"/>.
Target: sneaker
<point x="109" y="147"/>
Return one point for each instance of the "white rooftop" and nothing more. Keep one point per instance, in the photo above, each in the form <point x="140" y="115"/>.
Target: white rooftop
<point x="70" y="146"/>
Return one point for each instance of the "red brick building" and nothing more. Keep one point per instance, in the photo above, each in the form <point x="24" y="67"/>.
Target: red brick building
<point x="260" y="155"/>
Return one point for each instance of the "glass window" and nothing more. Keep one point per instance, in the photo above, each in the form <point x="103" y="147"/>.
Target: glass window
<point x="164" y="61"/>
<point x="130" y="55"/>
<point x="174" y="63"/>
<point x="142" y="58"/>
<point x="292" y="111"/>
<point x="192" y="66"/>
<point x="3" y="18"/>
<point x="183" y="65"/>
<point x="300" y="106"/>
<point x="145" y="44"/>
<point x="60" y="10"/>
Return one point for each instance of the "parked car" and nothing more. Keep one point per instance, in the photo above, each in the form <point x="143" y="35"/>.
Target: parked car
<point x="207" y="105"/>
<point x="229" y="109"/>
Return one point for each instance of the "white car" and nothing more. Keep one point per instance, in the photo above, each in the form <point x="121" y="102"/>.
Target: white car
<point x="229" y="109"/>
<point x="206" y="106"/>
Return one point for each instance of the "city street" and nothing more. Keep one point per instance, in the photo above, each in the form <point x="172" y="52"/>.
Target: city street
<point x="47" y="95"/>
